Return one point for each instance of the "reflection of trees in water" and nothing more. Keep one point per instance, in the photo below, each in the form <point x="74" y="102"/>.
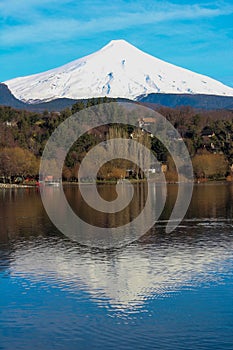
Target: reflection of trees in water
<point x="212" y="200"/>
<point x="21" y="213"/>
<point x="108" y="192"/>
<point x="229" y="201"/>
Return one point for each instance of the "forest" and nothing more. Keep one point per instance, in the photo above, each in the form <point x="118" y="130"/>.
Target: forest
<point x="208" y="136"/>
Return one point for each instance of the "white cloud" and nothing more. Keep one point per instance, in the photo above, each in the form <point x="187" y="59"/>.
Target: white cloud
<point x="39" y="27"/>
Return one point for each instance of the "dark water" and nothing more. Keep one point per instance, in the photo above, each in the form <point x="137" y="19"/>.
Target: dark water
<point x="164" y="291"/>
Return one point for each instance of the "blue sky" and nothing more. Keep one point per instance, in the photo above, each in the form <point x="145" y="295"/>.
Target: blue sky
<point x="36" y="35"/>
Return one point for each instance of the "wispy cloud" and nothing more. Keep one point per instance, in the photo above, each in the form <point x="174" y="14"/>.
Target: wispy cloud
<point x="195" y="34"/>
<point x="40" y="24"/>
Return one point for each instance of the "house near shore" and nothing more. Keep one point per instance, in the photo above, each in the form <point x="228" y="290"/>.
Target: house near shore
<point x="144" y="122"/>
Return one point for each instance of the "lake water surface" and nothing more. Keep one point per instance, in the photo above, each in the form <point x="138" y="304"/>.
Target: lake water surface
<point x="163" y="291"/>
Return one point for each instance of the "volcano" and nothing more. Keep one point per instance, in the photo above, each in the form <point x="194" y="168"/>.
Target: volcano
<point x="117" y="70"/>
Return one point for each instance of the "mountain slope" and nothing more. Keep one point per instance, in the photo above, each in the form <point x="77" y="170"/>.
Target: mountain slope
<point x="196" y="100"/>
<point x="7" y="99"/>
<point x="117" y="70"/>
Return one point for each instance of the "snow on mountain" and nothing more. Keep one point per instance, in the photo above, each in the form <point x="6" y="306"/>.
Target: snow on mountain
<point x="117" y="70"/>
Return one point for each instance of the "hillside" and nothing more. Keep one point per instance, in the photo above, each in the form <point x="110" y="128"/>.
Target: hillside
<point x="199" y="101"/>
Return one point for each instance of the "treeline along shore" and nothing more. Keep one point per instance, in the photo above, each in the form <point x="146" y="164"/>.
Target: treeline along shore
<point x="208" y="136"/>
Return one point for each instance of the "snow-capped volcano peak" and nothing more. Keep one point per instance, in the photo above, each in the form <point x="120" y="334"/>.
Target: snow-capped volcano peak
<point x="117" y="70"/>
<point x="120" y="46"/>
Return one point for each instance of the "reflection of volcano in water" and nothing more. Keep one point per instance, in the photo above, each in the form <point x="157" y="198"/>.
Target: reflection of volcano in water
<point x="126" y="278"/>
<point x="200" y="250"/>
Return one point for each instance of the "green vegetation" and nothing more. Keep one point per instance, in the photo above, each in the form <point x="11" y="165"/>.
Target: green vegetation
<point x="17" y="163"/>
<point x="207" y="134"/>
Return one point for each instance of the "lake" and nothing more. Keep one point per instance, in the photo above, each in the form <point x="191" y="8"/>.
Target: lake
<point x="163" y="291"/>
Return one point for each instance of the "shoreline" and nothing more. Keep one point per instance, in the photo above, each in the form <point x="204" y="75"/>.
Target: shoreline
<point x="15" y="186"/>
<point x="11" y="186"/>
